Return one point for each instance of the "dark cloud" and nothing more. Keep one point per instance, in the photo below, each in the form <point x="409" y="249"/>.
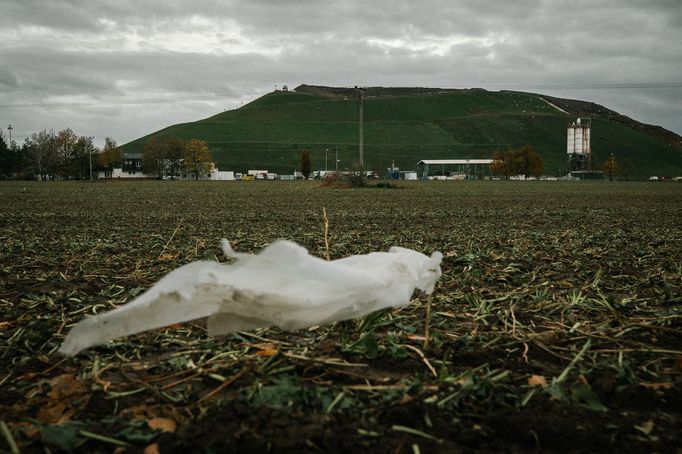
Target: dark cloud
<point x="81" y="52"/>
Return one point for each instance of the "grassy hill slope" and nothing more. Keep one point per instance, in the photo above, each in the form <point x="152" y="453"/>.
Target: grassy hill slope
<point x="406" y="126"/>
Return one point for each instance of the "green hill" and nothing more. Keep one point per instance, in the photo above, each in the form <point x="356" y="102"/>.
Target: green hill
<point x="405" y="125"/>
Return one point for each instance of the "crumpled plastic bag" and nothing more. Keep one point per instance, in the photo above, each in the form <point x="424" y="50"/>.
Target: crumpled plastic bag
<point x="283" y="286"/>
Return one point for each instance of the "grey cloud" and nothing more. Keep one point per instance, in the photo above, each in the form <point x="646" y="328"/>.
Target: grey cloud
<point x="328" y="42"/>
<point x="46" y="13"/>
<point x="7" y="79"/>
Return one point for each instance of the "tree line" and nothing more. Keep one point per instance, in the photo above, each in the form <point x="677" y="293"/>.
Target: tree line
<point x="528" y="162"/>
<point x="170" y="155"/>
<point x="524" y="161"/>
<point x="50" y="155"/>
<point x="47" y="155"/>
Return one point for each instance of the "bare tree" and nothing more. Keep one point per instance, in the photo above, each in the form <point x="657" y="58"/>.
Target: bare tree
<point x="43" y="154"/>
<point x="66" y="141"/>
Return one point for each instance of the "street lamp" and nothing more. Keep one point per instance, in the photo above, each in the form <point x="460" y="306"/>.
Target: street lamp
<point x="325" y="158"/>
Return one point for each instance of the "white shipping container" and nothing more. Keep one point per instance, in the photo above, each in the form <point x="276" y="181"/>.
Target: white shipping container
<point x="224" y="175"/>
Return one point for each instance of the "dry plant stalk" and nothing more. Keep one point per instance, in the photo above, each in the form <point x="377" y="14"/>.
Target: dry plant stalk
<point x="427" y="322"/>
<point x="325" y="227"/>
<point x="171" y="238"/>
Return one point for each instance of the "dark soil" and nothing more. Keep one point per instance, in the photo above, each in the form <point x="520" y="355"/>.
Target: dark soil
<point x="556" y="326"/>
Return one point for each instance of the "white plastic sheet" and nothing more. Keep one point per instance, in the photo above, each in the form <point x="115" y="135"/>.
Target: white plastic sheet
<point x="282" y="286"/>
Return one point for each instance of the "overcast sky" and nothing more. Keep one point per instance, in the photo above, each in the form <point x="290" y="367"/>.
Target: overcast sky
<point x="125" y="68"/>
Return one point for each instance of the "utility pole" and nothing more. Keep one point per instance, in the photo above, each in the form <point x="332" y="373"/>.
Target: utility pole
<point x="9" y="128"/>
<point x="361" y="92"/>
<point x="90" y="155"/>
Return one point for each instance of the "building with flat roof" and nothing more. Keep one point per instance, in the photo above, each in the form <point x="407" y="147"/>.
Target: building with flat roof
<point x="468" y="168"/>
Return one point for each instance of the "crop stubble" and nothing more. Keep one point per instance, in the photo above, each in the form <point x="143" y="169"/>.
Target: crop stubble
<point x="556" y="323"/>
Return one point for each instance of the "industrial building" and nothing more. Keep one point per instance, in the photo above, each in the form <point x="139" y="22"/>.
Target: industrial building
<point x="578" y="145"/>
<point x="456" y="168"/>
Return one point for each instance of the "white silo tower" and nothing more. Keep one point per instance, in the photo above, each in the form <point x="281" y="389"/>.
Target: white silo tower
<point x="578" y="145"/>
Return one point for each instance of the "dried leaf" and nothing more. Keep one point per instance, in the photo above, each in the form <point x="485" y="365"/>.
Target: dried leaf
<point x="66" y="396"/>
<point x="162" y="424"/>
<point x="66" y="385"/>
<point x="152" y="449"/>
<point x="138" y="412"/>
<point x="52" y="412"/>
<point x="265" y="349"/>
<point x="537" y="380"/>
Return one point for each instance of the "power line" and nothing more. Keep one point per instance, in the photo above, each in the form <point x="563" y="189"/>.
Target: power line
<point x="595" y="86"/>
<point x="127" y="101"/>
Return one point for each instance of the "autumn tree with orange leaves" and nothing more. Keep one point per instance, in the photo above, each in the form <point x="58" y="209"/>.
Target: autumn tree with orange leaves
<point x="197" y="158"/>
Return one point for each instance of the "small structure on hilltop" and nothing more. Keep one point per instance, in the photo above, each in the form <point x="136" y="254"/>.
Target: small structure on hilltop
<point x="578" y="145"/>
